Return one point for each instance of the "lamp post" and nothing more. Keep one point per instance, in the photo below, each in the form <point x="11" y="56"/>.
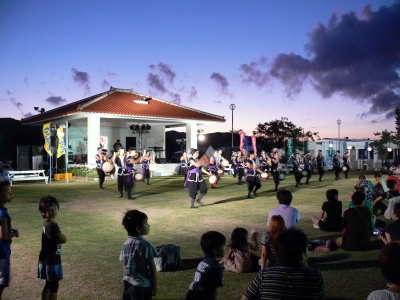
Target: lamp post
<point x="339" y="122"/>
<point x="232" y="107"/>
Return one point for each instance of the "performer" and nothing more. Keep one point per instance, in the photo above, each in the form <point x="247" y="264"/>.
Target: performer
<point x="145" y="167"/>
<point x="251" y="177"/>
<point x="307" y="165"/>
<point x="297" y="169"/>
<point x="320" y="165"/>
<point x="213" y="170"/>
<point x="240" y="166"/>
<point x="336" y="165"/>
<point x="346" y="163"/>
<point x="194" y="179"/>
<point x="101" y="158"/>
<point x="234" y="162"/>
<point x="117" y="145"/>
<point x="264" y="162"/>
<point x="275" y="167"/>
<point x="184" y="164"/>
<point x="125" y="170"/>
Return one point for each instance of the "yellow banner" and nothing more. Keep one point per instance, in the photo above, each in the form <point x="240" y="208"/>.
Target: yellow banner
<point x="46" y="134"/>
<point x="61" y="143"/>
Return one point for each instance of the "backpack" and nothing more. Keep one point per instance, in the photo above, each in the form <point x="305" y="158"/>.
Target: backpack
<point x="169" y="257"/>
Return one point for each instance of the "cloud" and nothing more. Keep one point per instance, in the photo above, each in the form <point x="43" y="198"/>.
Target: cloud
<point x="17" y="104"/>
<point x="27" y="115"/>
<point x="105" y="84"/>
<point x="251" y="73"/>
<point x="217" y="101"/>
<point x="193" y="94"/>
<point x="82" y="78"/>
<point x="222" y="83"/>
<point x="357" y="57"/>
<point x="9" y="92"/>
<point x="26" y="80"/>
<point x="176" y="98"/>
<point x="111" y="74"/>
<point x="55" y="100"/>
<point x="156" y="82"/>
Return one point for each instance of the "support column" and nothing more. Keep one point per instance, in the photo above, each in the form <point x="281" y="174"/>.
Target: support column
<point x="93" y="135"/>
<point x="191" y="136"/>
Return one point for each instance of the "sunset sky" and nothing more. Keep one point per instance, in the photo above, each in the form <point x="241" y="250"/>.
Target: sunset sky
<point x="311" y="61"/>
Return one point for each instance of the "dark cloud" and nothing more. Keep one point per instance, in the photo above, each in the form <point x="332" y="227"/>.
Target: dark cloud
<point x="105" y="84"/>
<point x="176" y="98"/>
<point x="166" y="70"/>
<point x="82" y="78"/>
<point x="111" y="74"/>
<point x="156" y="82"/>
<point x="55" y="100"/>
<point x="222" y="83"/>
<point x="17" y="104"/>
<point x="27" y="115"/>
<point x="193" y="94"/>
<point x="252" y="74"/>
<point x="26" y="80"/>
<point x="357" y="57"/>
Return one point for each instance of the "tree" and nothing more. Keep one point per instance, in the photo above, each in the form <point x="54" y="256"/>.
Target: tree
<point x="381" y="146"/>
<point x="274" y="134"/>
<point x="397" y="117"/>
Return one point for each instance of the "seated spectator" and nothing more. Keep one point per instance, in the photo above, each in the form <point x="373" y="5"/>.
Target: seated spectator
<point x="389" y="261"/>
<point x="392" y="230"/>
<point x="378" y="188"/>
<point x="356" y="226"/>
<point x="385" y="169"/>
<point x="392" y="169"/>
<point x="367" y="185"/>
<point x="268" y="253"/>
<point x="239" y="259"/>
<point x="289" y="214"/>
<point x="378" y="204"/>
<point x="397" y="170"/>
<point x="367" y="204"/>
<point x="333" y="210"/>
<point x="290" y="278"/>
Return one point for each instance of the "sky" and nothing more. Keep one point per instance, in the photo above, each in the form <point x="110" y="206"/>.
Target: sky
<point x="312" y="61"/>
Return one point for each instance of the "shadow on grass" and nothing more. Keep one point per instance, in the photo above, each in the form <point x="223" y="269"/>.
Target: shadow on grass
<point x="346" y="265"/>
<point x="326" y="259"/>
<point x="189" y="264"/>
<point x="241" y="198"/>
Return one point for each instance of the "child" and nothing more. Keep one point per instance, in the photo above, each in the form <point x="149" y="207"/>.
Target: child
<point x="50" y="267"/>
<point x="289" y="214"/>
<point x="268" y="253"/>
<point x="6" y="234"/>
<point x="140" y="278"/>
<point x="389" y="260"/>
<point x="239" y="258"/>
<point x="208" y="276"/>
<point x="333" y="210"/>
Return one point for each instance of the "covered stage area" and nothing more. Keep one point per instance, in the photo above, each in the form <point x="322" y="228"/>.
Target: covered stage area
<point x="136" y="119"/>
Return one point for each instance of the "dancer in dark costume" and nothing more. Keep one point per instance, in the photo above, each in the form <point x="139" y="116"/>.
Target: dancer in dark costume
<point x="307" y="165"/>
<point x="101" y="158"/>
<point x="297" y="169"/>
<point x="240" y="167"/>
<point x="184" y="165"/>
<point x="145" y="167"/>
<point x="253" y="181"/>
<point x="336" y="165"/>
<point x="320" y="165"/>
<point x="346" y="163"/>
<point x="275" y="168"/>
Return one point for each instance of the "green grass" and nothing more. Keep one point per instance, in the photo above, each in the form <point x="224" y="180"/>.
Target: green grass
<point x="91" y="220"/>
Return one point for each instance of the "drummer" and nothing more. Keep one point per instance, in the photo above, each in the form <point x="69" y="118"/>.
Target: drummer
<point x="297" y="169"/>
<point x="184" y="167"/>
<point x="145" y="167"/>
<point x="336" y="164"/>
<point x="213" y="170"/>
<point x="240" y="166"/>
<point x="101" y="158"/>
<point x="346" y="163"/>
<point x="252" y="177"/>
<point x="233" y="158"/>
<point x="307" y="165"/>
<point x="125" y="170"/>
<point x="275" y="167"/>
<point x="320" y="165"/>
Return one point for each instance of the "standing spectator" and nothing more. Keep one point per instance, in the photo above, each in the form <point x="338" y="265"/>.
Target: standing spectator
<point x="389" y="261"/>
<point x="290" y="278"/>
<point x="289" y="214"/>
<point x="333" y="210"/>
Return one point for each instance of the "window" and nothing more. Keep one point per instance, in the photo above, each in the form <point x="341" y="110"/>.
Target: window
<point x="361" y="154"/>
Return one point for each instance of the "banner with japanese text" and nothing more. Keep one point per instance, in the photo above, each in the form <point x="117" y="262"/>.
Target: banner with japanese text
<point x="254" y="144"/>
<point x="47" y="138"/>
<point x="242" y="134"/>
<point x="61" y="142"/>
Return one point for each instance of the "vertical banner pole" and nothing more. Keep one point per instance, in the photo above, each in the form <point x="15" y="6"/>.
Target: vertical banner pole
<point x="66" y="149"/>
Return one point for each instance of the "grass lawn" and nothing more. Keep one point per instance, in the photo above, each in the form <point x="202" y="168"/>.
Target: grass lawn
<point x="91" y="220"/>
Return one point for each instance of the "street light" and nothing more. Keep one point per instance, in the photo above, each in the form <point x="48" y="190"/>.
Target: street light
<point x="232" y="107"/>
<point x="389" y="149"/>
<point x="339" y="122"/>
<point x="201" y="136"/>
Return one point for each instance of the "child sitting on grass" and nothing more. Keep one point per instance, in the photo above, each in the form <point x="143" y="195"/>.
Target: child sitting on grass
<point x="208" y="276"/>
<point x="389" y="261"/>
<point x="6" y="234"/>
<point x="239" y="259"/>
<point x="137" y="255"/>
<point x="333" y="210"/>
<point x="268" y="252"/>
<point x="50" y="267"/>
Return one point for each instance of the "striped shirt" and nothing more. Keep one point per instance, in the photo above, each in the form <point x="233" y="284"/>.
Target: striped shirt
<point x="271" y="253"/>
<point x="286" y="283"/>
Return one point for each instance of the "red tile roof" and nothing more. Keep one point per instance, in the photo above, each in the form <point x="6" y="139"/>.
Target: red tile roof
<point x="125" y="102"/>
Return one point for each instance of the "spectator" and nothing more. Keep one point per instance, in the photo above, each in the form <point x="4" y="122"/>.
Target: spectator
<point x="378" y="204"/>
<point x="368" y="205"/>
<point x="239" y="258"/>
<point x="397" y="170"/>
<point x="117" y="145"/>
<point x="289" y="214"/>
<point x="392" y="169"/>
<point x="208" y="276"/>
<point x="268" y="253"/>
<point x="378" y="187"/>
<point x="290" y="278"/>
<point x="389" y="260"/>
<point x="333" y="210"/>
<point x="356" y="224"/>
<point x="367" y="185"/>
<point x="392" y="230"/>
